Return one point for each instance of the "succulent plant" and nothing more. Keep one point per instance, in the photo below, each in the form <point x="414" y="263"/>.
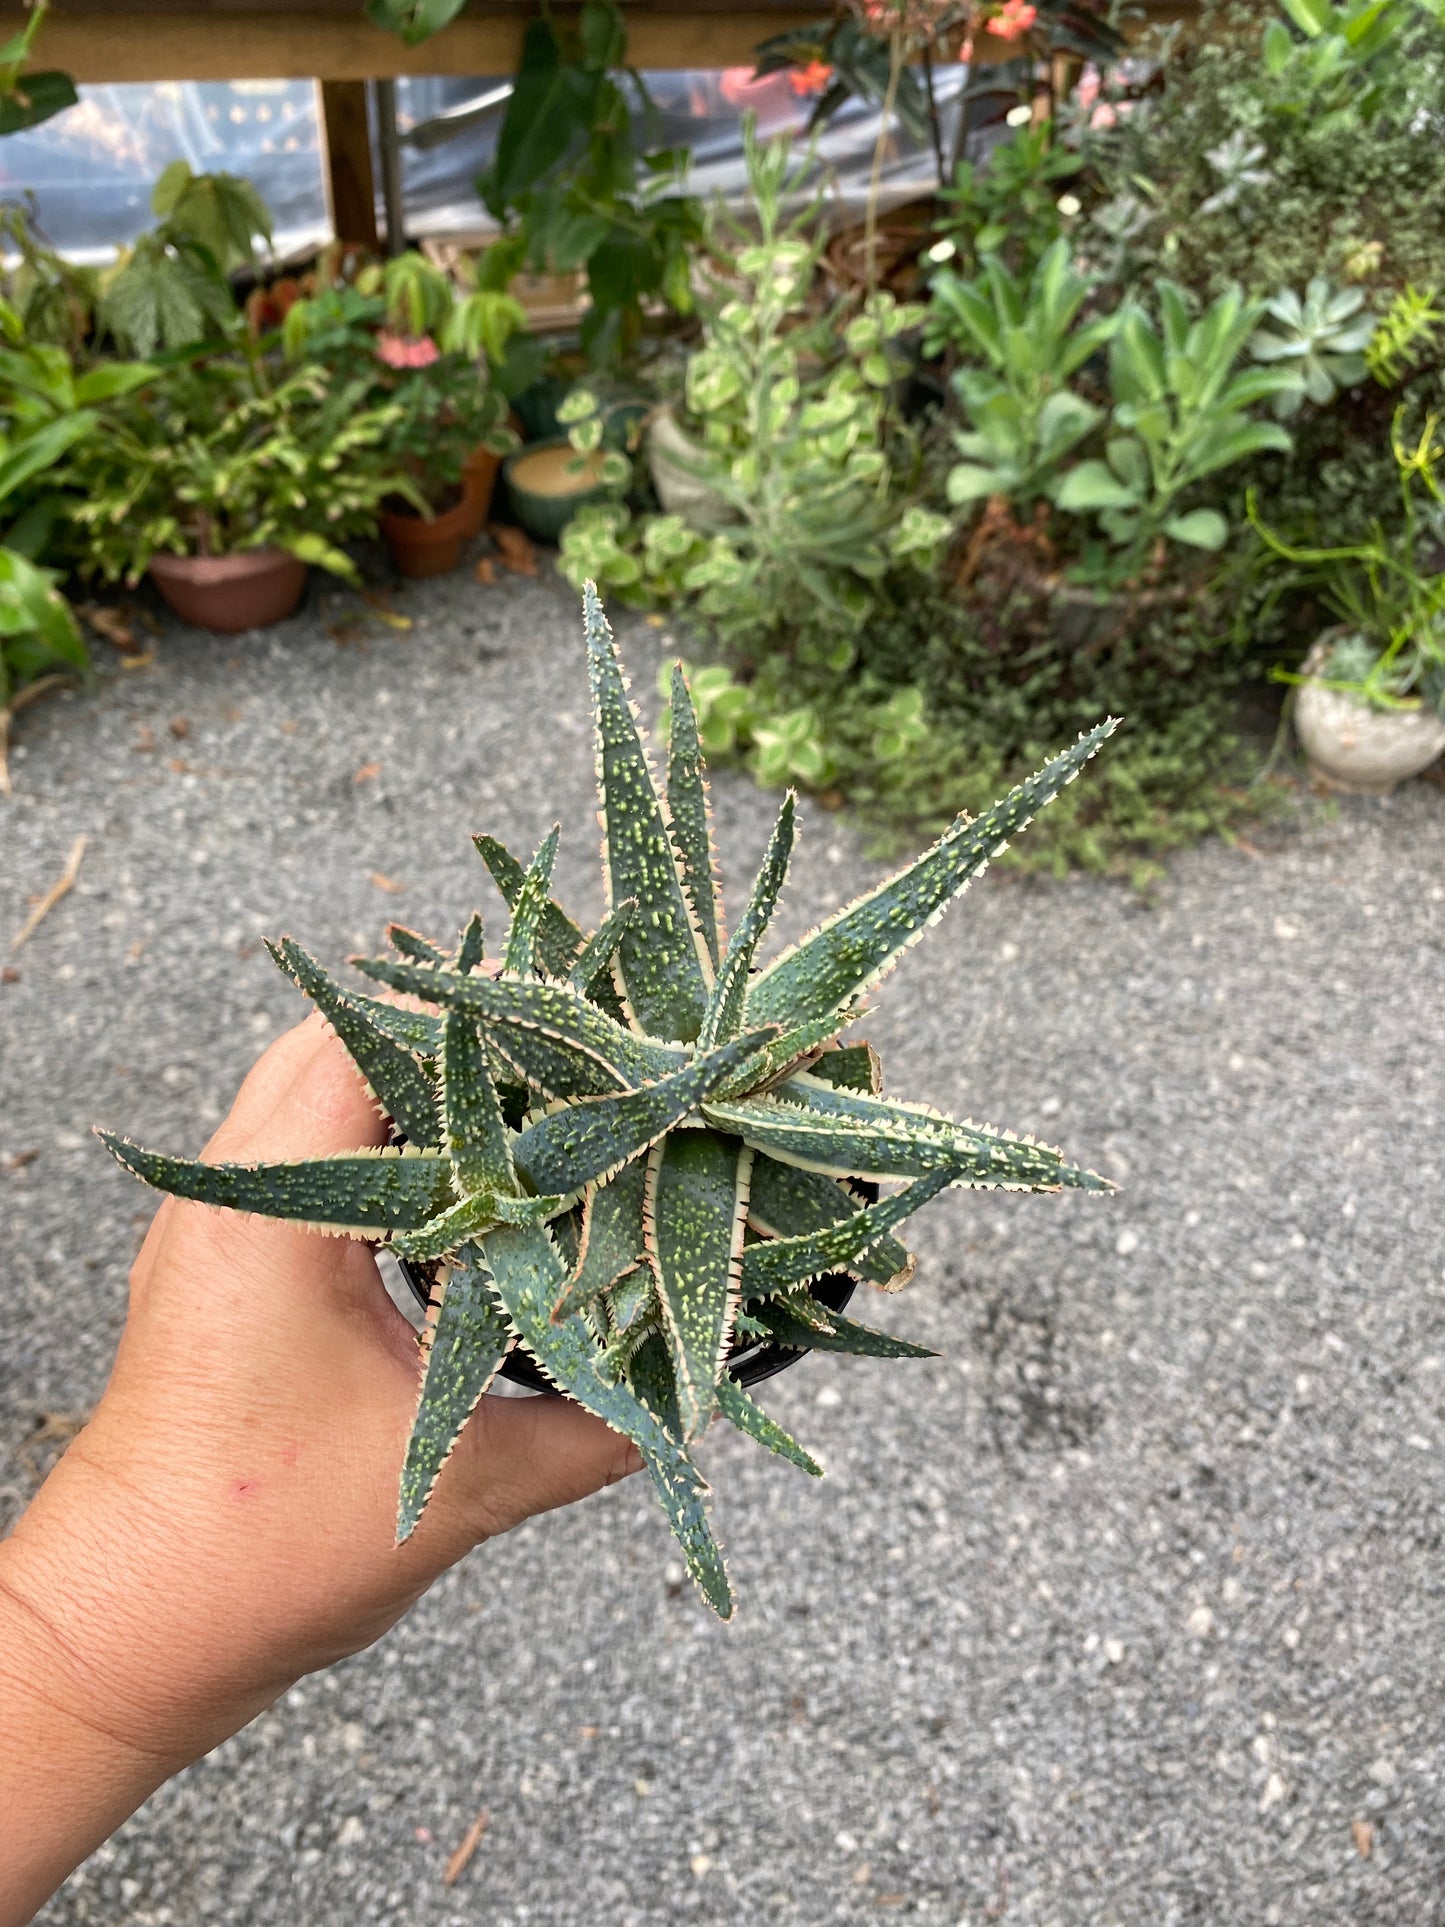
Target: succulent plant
<point x="1320" y="341"/>
<point x="630" y="1154"/>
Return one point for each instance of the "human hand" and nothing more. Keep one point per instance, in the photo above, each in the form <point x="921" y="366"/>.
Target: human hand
<point x="226" y="1520"/>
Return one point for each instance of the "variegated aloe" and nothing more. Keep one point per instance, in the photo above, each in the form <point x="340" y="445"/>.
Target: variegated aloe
<point x="630" y="1153"/>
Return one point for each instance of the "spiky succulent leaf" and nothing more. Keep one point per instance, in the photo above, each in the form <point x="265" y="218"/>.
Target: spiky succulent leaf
<point x="739" y="1409"/>
<point x="659" y="956"/>
<point x="785" y="1201"/>
<point x="560" y="1043"/>
<point x="527" y="911"/>
<point x="409" y="944"/>
<point x="559" y="941"/>
<point x="357" y="1194"/>
<point x="858" y="945"/>
<point x="845" y="1336"/>
<point x="724" y="1014"/>
<point x="579" y="1143"/>
<point x="396" y="1079"/>
<point x="527" y="1277"/>
<point x="414" y="1030"/>
<point x="612" y="1238"/>
<point x="472" y="948"/>
<point x="775" y="1265"/>
<point x="691" y="816"/>
<point x="697" y="1200"/>
<point x="444" y="1234"/>
<point x="601" y="947"/>
<point x="895" y="1141"/>
<point x="634" y="1297"/>
<point x="793" y="1051"/>
<point x="477" y="1139"/>
<point x="851" y="1067"/>
<point x="464" y="1351"/>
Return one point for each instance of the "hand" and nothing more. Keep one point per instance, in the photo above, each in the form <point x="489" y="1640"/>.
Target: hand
<point x="225" y="1522"/>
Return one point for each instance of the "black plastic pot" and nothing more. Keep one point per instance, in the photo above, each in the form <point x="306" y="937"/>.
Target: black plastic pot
<point x="750" y="1364"/>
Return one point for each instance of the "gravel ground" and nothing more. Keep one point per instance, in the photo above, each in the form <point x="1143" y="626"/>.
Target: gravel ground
<point x="1126" y="1610"/>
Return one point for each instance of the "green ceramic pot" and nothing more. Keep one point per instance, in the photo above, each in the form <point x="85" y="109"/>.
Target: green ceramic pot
<point x="544" y="493"/>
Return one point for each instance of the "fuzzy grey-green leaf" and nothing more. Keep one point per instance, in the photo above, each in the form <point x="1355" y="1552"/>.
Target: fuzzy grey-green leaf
<point x="740" y="1410"/>
<point x="724" y="1015"/>
<point x="697" y="1196"/>
<point x="527" y="912"/>
<point x="691" y="815"/>
<point x="467" y="1346"/>
<point x="785" y="1201"/>
<point x="776" y="1265"/>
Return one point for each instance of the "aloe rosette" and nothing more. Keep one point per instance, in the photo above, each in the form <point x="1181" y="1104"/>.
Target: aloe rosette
<point x="631" y="1153"/>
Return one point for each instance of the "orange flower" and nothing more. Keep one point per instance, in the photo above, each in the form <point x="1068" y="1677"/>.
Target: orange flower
<point x="814" y="78"/>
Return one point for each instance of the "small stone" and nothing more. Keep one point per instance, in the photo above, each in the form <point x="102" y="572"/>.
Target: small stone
<point x="1382" y="1772"/>
<point x="1200" y="1622"/>
<point x="1291" y="1637"/>
<point x="1126" y="1244"/>
<point x="845" y="1842"/>
<point x="351" y="1832"/>
<point x="353" y="1737"/>
<point x="1275" y="1790"/>
<point x="1285" y="930"/>
<point x="701" y="1863"/>
<point x="829" y="1395"/>
<point x="1114" y="1651"/>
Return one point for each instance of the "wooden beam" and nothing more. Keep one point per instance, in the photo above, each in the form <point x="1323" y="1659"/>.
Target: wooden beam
<point x="350" y="184"/>
<point x="141" y="45"/>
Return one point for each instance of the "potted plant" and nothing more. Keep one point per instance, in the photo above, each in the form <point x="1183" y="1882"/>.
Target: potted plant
<point x="621" y="1161"/>
<point x="225" y="485"/>
<point x="420" y="347"/>
<point x="1369" y="706"/>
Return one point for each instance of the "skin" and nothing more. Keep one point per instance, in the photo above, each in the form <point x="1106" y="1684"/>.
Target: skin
<point x="225" y="1522"/>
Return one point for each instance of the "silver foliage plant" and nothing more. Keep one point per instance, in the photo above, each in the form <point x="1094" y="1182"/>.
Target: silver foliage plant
<point x="632" y="1153"/>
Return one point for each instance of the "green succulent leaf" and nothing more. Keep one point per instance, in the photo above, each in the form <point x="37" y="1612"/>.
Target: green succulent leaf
<point x="477" y="1140"/>
<point x="739" y="1410"/>
<point x="724" y="1014"/>
<point x="396" y="1079"/>
<point x="472" y="948"/>
<point x="777" y="1265"/>
<point x="660" y="954"/>
<point x="464" y="1352"/>
<point x="852" y="1067"/>
<point x="528" y="1278"/>
<point x="613" y="1242"/>
<point x="527" y="912"/>
<point x="446" y="1233"/>
<point x="849" y="953"/>
<point x="358" y="1194"/>
<point x="844" y="1336"/>
<point x="408" y="944"/>
<point x="697" y="1200"/>
<point x="789" y="1202"/>
<point x="691" y="815"/>
<point x="587" y="1141"/>
<point x="559" y="941"/>
<point x="595" y="962"/>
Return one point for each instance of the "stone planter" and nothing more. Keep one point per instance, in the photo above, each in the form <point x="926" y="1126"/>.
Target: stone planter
<point x="1355" y="748"/>
<point x="672" y="458"/>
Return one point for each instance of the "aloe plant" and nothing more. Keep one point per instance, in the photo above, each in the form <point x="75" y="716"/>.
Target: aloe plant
<point x="629" y="1154"/>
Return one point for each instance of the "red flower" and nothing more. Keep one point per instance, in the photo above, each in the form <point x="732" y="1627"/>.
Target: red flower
<point x="814" y="78"/>
<point x="401" y="351"/>
<point x="1014" y="20"/>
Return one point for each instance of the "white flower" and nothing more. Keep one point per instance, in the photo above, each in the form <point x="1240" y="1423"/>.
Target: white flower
<point x="1019" y="116"/>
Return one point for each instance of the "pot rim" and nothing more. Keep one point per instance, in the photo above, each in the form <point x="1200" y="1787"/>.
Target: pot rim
<point x="216" y="569"/>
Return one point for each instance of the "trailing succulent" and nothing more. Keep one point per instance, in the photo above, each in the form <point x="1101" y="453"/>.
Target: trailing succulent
<point x="630" y="1154"/>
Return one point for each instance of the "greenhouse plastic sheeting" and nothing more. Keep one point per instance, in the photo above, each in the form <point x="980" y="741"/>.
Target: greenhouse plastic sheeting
<point x="91" y="168"/>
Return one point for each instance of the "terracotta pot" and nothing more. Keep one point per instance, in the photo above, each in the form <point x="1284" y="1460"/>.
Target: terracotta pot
<point x="228" y="593"/>
<point x="1355" y="748"/>
<point x="479" y="482"/>
<point x="420" y="546"/>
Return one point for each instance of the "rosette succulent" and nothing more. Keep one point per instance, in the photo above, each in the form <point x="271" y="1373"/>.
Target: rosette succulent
<point x="631" y="1154"/>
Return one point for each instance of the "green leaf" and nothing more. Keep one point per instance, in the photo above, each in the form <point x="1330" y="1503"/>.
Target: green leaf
<point x="556" y="1039"/>
<point x="1092" y="485"/>
<point x="697" y="1196"/>
<point x="559" y="941"/>
<point x="35" y="98"/>
<point x="787" y="1052"/>
<point x="595" y="961"/>
<point x="842" y="1133"/>
<point x="1200" y="529"/>
<point x="775" y="1266"/>
<point x="358" y="1194"/>
<point x="22" y="461"/>
<point x="786" y="1201"/>
<point x="659" y="955"/>
<point x="445" y="1234"/>
<point x="392" y="1071"/>
<point x="612" y="1237"/>
<point x="528" y="1279"/>
<point x="467" y="1345"/>
<point x="845" y="1336"/>
<point x="550" y="108"/>
<point x="470" y="951"/>
<point x="585" y="1142"/>
<point x="527" y="912"/>
<point x="740" y="1410"/>
<point x="851" y="1067"/>
<point x="724" y="1014"/>
<point x="477" y="1140"/>
<point x="414" y="20"/>
<point x="858" y="945"/>
<point x="409" y="944"/>
<point x="691" y="816"/>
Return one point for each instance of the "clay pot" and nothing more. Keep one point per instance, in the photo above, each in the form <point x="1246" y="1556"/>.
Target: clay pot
<point x="479" y="483"/>
<point x="1355" y="748"/>
<point x="229" y="593"/>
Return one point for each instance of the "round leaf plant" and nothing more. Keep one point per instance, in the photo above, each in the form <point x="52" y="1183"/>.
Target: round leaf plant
<point x="630" y="1153"/>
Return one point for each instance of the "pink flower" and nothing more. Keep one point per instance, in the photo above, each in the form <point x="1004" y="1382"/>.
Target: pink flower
<point x="1014" y="20"/>
<point x="813" y="78"/>
<point x="401" y="351"/>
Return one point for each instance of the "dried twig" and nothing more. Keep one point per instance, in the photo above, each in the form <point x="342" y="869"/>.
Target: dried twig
<point x="461" y="1859"/>
<point x="63" y="884"/>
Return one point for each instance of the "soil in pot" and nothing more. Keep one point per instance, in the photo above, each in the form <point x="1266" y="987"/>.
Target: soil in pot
<point x="1357" y="749"/>
<point x="548" y="483"/>
<point x="229" y="593"/>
